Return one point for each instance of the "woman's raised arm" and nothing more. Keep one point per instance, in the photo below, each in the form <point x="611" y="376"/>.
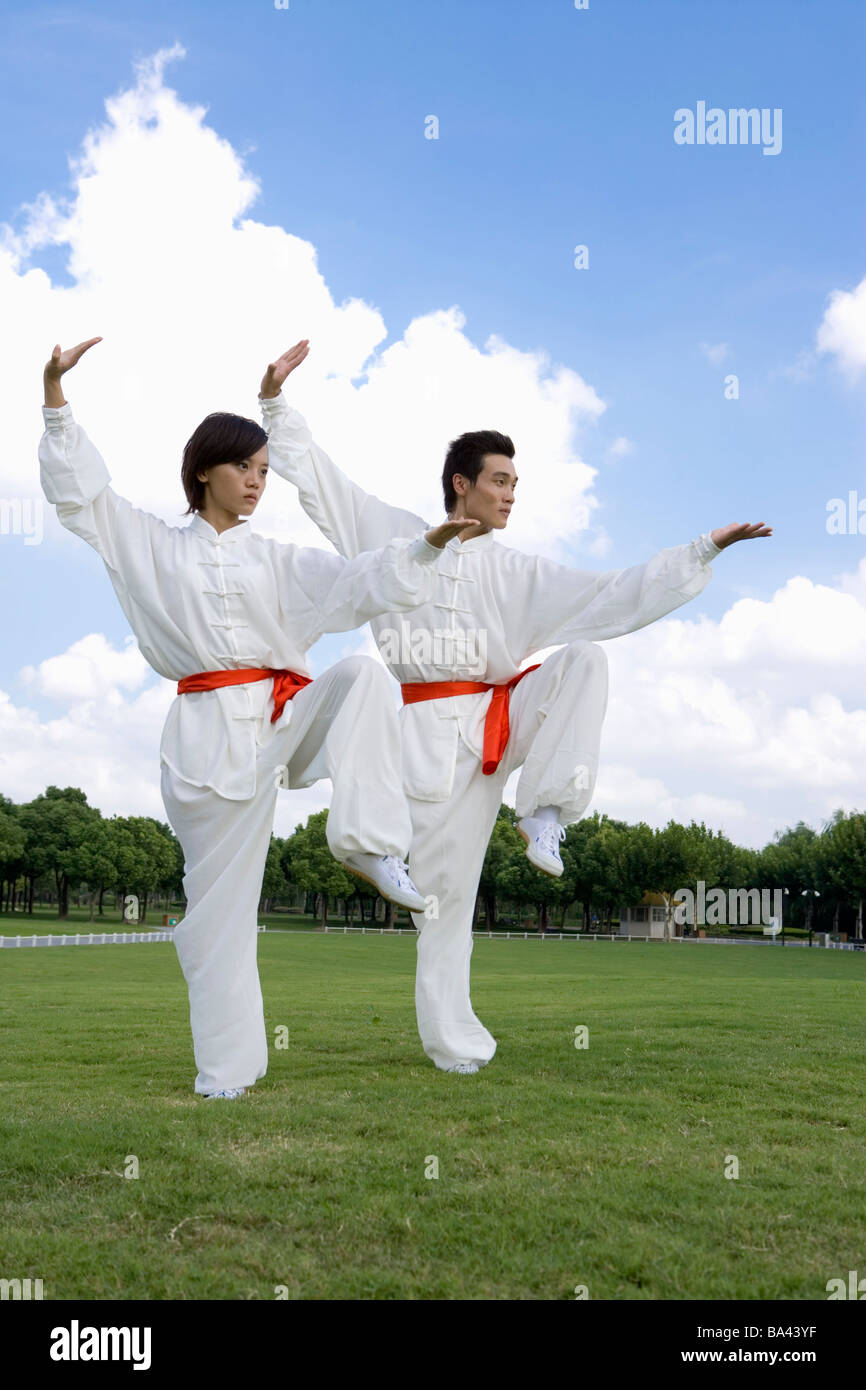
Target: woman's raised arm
<point x="55" y="367"/>
<point x="76" y="482"/>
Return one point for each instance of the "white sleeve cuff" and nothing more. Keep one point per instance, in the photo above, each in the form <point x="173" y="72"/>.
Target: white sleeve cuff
<point x="278" y="405"/>
<point x="707" y="548"/>
<point x="56" y="416"/>
<point x="421" y="550"/>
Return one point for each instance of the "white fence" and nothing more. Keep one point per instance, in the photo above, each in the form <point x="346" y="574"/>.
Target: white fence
<point x="94" y="938"/>
<point x="139" y="937"/>
<point x="573" y="936"/>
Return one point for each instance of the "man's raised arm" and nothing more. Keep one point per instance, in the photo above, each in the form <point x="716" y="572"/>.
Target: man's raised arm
<point x="352" y="519"/>
<point x="564" y="604"/>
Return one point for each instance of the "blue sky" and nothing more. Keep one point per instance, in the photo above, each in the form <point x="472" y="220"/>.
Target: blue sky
<point x="556" y="128"/>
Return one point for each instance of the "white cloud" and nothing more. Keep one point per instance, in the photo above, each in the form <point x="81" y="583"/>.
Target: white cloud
<point x="714" y="352"/>
<point x="762" y="711"/>
<point x="801" y="369"/>
<point x="597" y="545"/>
<point x="620" y="447"/>
<point x="193" y="297"/>
<point x="89" y="669"/>
<point x="106" y="738"/>
<point x="855" y="583"/>
<point x="843" y="329"/>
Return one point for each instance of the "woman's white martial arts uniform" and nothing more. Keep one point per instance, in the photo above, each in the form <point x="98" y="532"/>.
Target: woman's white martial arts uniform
<point x="200" y="600"/>
<point x="493" y="607"/>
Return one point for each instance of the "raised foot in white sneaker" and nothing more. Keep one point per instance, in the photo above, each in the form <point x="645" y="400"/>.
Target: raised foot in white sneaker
<point x="466" y="1068"/>
<point x="390" y="875"/>
<point x="542" y="844"/>
<point x="231" y="1093"/>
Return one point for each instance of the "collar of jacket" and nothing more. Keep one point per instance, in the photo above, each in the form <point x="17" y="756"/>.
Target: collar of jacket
<point x="210" y="533"/>
<point x="473" y="543"/>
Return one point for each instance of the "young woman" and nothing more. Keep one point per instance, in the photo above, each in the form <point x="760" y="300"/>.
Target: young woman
<point x="230" y="616"/>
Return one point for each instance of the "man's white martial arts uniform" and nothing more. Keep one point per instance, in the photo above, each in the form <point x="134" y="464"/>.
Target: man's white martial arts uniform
<point x="492" y="609"/>
<point x="200" y="601"/>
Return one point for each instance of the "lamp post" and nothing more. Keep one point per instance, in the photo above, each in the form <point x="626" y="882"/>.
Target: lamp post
<point x="809" y="894"/>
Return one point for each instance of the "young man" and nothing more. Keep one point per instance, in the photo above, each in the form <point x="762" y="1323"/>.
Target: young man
<point x="230" y="616"/>
<point x="470" y="715"/>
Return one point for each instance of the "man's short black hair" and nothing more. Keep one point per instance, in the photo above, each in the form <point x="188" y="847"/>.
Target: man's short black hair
<point x="466" y="456"/>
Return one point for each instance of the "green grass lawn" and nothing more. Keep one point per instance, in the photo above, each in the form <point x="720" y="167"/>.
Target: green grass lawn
<point x="558" y="1166"/>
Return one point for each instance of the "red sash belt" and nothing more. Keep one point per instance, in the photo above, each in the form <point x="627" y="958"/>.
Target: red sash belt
<point x="286" y="683"/>
<point x="496" y="726"/>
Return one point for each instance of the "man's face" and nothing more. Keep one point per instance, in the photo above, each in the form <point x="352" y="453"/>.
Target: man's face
<point x="238" y="487"/>
<point x="491" y="497"/>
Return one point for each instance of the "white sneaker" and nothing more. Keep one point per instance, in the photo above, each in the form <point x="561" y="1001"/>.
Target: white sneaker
<point x="466" y="1068"/>
<point x="390" y="875"/>
<point x="542" y="844"/>
<point x="231" y="1094"/>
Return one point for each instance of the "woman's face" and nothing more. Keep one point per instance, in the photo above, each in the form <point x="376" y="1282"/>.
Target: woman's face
<point x="237" y="487"/>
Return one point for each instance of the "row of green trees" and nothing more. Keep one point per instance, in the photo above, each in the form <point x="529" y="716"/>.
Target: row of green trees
<point x="57" y="845"/>
<point x="609" y="864"/>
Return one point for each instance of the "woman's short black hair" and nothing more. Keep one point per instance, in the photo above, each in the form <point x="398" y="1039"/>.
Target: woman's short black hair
<point x="220" y="438"/>
<point x="466" y="456"/>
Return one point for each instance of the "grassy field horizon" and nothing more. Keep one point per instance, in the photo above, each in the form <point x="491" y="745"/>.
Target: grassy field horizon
<point x="558" y="1166"/>
<point x="44" y="921"/>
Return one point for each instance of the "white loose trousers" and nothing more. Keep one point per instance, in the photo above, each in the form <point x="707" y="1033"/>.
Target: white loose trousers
<point x="343" y="727"/>
<point x="556" y="715"/>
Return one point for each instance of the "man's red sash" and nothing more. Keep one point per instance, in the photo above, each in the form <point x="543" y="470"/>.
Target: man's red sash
<point x="496" y="725"/>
